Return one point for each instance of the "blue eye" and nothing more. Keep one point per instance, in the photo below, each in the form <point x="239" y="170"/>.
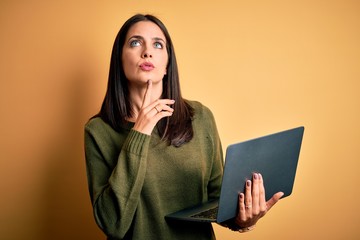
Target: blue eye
<point x="158" y="45"/>
<point x="135" y="43"/>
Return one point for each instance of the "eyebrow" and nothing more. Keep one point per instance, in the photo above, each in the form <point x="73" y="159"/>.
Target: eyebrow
<point x="142" y="38"/>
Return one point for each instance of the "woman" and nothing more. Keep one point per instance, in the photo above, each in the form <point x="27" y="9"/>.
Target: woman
<point x="149" y="152"/>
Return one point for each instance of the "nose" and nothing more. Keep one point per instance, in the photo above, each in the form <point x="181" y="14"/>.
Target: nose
<point x="146" y="54"/>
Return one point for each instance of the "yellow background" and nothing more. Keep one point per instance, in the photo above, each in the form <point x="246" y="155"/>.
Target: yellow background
<point x="261" y="66"/>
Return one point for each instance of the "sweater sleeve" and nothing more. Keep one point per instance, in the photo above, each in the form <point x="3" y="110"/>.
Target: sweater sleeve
<point x="205" y="122"/>
<point x="115" y="187"/>
<point x="214" y="185"/>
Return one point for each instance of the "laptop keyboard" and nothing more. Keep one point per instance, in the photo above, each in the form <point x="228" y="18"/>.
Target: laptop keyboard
<point x="211" y="213"/>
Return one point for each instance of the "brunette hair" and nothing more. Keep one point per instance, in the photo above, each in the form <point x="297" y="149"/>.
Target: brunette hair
<point x="116" y="107"/>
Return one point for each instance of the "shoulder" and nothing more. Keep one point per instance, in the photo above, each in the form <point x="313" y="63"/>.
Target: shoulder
<point x="200" y="110"/>
<point x="98" y="128"/>
<point x="98" y="132"/>
<point x="203" y="116"/>
<point x="95" y="124"/>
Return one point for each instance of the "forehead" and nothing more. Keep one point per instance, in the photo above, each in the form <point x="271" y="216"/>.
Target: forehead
<point x="145" y="29"/>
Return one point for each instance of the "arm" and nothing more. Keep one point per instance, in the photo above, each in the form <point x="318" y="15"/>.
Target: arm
<point x="214" y="184"/>
<point x="115" y="182"/>
<point x="115" y="187"/>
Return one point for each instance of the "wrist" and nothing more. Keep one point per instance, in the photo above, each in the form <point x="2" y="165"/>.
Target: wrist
<point x="246" y="229"/>
<point x="232" y="225"/>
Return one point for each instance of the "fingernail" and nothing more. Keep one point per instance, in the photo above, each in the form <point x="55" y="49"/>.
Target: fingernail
<point x="248" y="183"/>
<point x="255" y="176"/>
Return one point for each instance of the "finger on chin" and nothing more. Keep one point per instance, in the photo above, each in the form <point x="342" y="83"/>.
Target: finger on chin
<point x="147" y="96"/>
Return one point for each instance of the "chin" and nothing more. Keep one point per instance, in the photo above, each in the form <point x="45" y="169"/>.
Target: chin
<point x="156" y="80"/>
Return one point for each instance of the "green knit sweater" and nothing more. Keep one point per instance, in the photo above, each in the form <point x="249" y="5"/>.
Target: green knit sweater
<point x="136" y="179"/>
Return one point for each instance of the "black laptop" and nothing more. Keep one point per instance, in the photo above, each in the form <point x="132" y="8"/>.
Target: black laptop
<point x="275" y="156"/>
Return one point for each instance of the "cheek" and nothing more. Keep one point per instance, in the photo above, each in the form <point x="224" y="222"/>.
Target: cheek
<point x="164" y="63"/>
<point x="128" y="63"/>
<point x="126" y="68"/>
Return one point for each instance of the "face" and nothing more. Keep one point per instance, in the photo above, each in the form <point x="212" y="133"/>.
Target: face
<point x="144" y="53"/>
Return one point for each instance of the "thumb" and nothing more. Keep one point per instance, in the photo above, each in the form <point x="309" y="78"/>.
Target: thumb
<point x="275" y="198"/>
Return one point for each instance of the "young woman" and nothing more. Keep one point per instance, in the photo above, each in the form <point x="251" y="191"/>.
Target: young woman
<point x="149" y="152"/>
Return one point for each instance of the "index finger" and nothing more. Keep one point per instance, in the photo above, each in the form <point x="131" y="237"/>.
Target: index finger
<point x="262" y="194"/>
<point x="147" y="96"/>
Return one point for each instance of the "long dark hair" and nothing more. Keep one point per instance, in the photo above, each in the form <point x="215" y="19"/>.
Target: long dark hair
<point x="116" y="107"/>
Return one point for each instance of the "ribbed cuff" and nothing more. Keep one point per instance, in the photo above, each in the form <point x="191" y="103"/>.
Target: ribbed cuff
<point x="137" y="143"/>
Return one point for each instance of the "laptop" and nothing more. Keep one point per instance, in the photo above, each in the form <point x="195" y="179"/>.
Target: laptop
<point x="275" y="156"/>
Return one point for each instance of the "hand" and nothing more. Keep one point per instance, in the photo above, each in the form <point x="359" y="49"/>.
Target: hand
<point x="252" y="205"/>
<point x="151" y="112"/>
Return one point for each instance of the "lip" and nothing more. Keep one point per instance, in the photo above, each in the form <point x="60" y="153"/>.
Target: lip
<point x="146" y="66"/>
